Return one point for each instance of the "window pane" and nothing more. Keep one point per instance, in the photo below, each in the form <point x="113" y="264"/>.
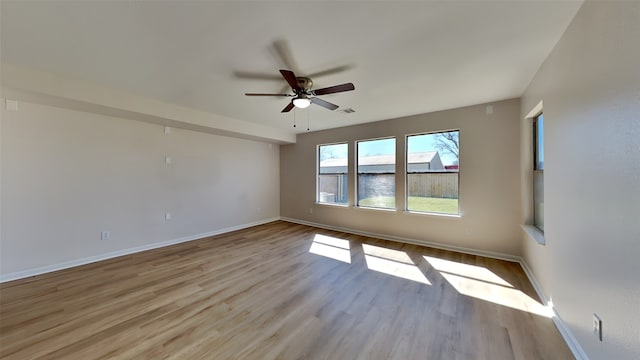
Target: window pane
<point x="538" y="174"/>
<point x="333" y="174"/>
<point x="539" y="143"/>
<point x="376" y="173"/>
<point x="432" y="172"/>
<point x="538" y="199"/>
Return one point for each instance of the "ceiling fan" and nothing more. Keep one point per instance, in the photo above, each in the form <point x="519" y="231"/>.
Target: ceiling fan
<point x="303" y="96"/>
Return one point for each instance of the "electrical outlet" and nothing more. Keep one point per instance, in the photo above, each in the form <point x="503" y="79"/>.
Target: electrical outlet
<point x="597" y="327"/>
<point x="12" y="105"/>
<point x="310" y="210"/>
<point x="105" y="235"/>
<point x="167" y="216"/>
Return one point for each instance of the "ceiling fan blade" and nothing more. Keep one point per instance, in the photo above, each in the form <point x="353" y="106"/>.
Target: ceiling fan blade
<point x="256" y="94"/>
<point x="323" y="103"/>
<point x="282" y="50"/>
<point x="288" y="107"/>
<point x="330" y="71"/>
<point x="256" y="76"/>
<point x="334" y="89"/>
<point x="291" y="79"/>
<point x="285" y="88"/>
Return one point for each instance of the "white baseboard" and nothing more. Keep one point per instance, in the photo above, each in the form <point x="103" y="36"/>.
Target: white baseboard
<point x="567" y="335"/>
<point x="534" y="282"/>
<point x="113" y="254"/>
<point x="565" y="332"/>
<point x="489" y="254"/>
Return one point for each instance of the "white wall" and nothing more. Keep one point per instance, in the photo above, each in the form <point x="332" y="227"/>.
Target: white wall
<point x="590" y="86"/>
<point x="68" y="175"/>
<point x="489" y="180"/>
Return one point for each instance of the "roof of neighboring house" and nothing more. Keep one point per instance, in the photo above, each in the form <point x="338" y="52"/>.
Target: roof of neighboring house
<point x="414" y="158"/>
<point x="333" y="162"/>
<point x="422" y="157"/>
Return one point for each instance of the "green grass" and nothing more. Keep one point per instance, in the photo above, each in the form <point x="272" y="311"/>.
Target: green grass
<point x="425" y="204"/>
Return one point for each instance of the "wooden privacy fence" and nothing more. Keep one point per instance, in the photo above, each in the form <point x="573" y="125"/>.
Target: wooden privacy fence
<point x="432" y="184"/>
<point x="333" y="187"/>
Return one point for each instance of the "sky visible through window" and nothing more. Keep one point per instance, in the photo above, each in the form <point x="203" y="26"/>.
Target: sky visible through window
<point x="335" y="151"/>
<point x="378" y="147"/>
<point x="427" y="142"/>
<point x="416" y="144"/>
<point x="540" y="145"/>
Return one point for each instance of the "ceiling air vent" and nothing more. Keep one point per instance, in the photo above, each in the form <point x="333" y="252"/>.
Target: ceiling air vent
<point x="347" y="111"/>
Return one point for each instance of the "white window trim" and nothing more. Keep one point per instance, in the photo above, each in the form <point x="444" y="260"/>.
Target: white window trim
<point x="332" y="204"/>
<point x="534" y="233"/>
<point x="317" y="201"/>
<point x="373" y="208"/>
<point x="531" y="230"/>
<point x="537" y="110"/>
<point x="356" y="154"/>
<point x="434" y="214"/>
<point x="406" y="179"/>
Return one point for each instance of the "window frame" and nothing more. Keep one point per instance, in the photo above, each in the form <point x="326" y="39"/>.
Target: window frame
<point x="357" y="173"/>
<point x="537" y="170"/>
<point x="406" y="176"/>
<point x="318" y="173"/>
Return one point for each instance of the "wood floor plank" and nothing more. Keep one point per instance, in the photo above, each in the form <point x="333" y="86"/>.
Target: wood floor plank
<point x="280" y="291"/>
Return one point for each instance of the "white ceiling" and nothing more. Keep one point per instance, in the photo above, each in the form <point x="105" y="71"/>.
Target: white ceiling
<point x="404" y="58"/>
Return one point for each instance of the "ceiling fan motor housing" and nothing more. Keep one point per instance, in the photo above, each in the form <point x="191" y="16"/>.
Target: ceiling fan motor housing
<point x="303" y="95"/>
<point x="304" y="83"/>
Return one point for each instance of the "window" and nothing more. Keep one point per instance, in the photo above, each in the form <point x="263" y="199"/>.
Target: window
<point x="432" y="172"/>
<point x="377" y="173"/>
<point x="538" y="172"/>
<point x="333" y="174"/>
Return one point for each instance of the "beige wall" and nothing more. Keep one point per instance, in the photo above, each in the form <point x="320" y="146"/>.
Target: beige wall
<point x="590" y="86"/>
<point x="68" y="175"/>
<point x="489" y="180"/>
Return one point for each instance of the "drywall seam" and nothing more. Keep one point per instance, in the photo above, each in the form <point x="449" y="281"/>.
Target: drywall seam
<point x="96" y="258"/>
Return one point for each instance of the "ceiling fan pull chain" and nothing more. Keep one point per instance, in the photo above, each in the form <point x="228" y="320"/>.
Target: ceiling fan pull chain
<point x="294" y="117"/>
<point x="308" y="112"/>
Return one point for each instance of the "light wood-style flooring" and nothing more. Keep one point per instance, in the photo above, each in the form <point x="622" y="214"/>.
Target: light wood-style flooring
<point x="280" y="291"/>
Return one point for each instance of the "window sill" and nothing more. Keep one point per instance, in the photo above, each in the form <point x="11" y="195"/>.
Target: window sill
<point x="434" y="214"/>
<point x="344" y="206"/>
<point x="534" y="233"/>
<point x="371" y="208"/>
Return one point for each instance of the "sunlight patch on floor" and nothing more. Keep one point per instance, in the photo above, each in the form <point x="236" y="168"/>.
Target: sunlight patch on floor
<point x="331" y="247"/>
<point x="393" y="262"/>
<point x="471" y="271"/>
<point x="382" y="252"/>
<point x="481" y="283"/>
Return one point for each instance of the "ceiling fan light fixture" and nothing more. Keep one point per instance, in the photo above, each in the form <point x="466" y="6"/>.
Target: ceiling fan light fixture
<point x="303" y="96"/>
<point x="301" y="102"/>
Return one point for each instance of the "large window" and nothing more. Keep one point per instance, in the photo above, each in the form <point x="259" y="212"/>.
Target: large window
<point x="377" y="173"/>
<point x="538" y="172"/>
<point x="333" y="174"/>
<point x="432" y="172"/>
